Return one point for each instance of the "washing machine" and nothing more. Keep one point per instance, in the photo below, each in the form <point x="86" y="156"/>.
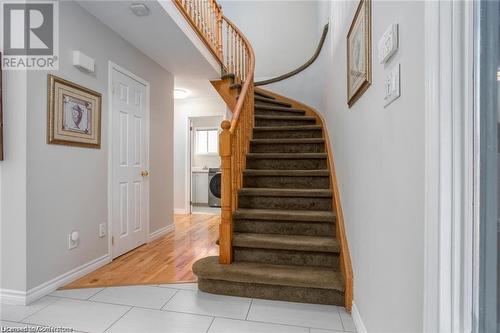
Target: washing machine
<point x="214" y="187"/>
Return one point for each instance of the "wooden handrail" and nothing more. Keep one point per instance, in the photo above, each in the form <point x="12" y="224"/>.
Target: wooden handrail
<point x="235" y="54"/>
<point x="301" y="68"/>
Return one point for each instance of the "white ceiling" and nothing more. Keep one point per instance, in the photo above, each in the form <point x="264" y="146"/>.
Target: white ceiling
<point x="157" y="35"/>
<point x="197" y="88"/>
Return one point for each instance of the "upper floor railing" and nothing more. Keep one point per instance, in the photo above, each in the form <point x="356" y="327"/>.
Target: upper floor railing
<point x="235" y="55"/>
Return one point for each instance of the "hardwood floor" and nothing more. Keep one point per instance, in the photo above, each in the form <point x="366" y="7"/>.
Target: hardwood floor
<point x="165" y="260"/>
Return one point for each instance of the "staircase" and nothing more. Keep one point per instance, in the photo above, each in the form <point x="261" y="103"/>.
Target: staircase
<point x="284" y="234"/>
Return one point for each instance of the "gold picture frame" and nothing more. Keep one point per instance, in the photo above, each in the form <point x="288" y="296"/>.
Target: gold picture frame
<point x="359" y="53"/>
<point x="73" y="114"/>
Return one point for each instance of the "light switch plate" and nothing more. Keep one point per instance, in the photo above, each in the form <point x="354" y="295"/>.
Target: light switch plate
<point x="392" y="88"/>
<point x="388" y="43"/>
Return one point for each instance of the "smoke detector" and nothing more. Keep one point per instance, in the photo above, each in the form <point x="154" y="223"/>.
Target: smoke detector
<point x="139" y="9"/>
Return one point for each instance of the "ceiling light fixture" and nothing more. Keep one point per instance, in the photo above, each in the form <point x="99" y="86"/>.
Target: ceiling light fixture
<point x="180" y="93"/>
<point x="139" y="9"/>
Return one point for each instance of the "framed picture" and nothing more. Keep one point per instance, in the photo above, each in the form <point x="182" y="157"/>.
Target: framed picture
<point x="359" y="53"/>
<point x="74" y="114"/>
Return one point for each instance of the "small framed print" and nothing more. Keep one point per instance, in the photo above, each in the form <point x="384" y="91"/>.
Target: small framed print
<point x="74" y="114"/>
<point x="359" y="53"/>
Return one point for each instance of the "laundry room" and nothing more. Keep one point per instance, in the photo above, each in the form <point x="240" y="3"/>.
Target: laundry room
<point x="198" y="113"/>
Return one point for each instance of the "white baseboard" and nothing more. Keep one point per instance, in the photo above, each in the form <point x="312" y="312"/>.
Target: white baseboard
<point x="181" y="211"/>
<point x="161" y="232"/>
<point x="23" y="298"/>
<point x="358" y="322"/>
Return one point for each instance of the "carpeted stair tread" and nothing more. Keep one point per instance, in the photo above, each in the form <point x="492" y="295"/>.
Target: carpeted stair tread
<point x="286" y="242"/>
<point x="228" y="76"/>
<point x="288" y="141"/>
<point x="271" y="101"/>
<point x="277" y="108"/>
<point x="263" y="94"/>
<point x="268" y="274"/>
<point x="287" y="155"/>
<point x="284" y="215"/>
<point x="287" y="173"/>
<point x="286" y="192"/>
<point x="302" y="118"/>
<point x="287" y="128"/>
<point x="235" y="86"/>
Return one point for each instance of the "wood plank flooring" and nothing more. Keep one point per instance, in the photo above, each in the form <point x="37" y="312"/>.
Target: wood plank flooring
<point x="166" y="260"/>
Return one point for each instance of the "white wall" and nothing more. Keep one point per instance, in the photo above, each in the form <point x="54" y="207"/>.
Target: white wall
<point x="13" y="184"/>
<point x="67" y="186"/>
<point x="379" y="155"/>
<point x="283" y="34"/>
<point x="184" y="109"/>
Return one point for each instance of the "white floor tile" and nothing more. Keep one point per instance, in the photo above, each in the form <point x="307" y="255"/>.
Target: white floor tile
<point x="347" y="321"/>
<point x="183" y="286"/>
<point x="288" y="313"/>
<point x="84" y="293"/>
<point x="318" y="330"/>
<point x="198" y="302"/>
<point x="141" y="296"/>
<point x="223" y="325"/>
<point x="19" y="312"/>
<point x="80" y="315"/>
<point x="152" y="321"/>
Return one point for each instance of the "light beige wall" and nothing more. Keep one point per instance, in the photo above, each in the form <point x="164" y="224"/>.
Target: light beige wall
<point x="67" y="186"/>
<point x="379" y="155"/>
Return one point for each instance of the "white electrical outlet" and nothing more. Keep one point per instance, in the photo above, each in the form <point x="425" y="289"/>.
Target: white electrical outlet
<point x="102" y="230"/>
<point x="388" y="43"/>
<point x="73" y="240"/>
<point x="392" y="89"/>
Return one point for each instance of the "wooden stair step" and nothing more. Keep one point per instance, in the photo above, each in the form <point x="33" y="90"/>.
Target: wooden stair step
<point x="284" y="215"/>
<point x="288" y="128"/>
<point x="271" y="101"/>
<point x="287" y="155"/>
<point x="288" y="141"/>
<point x="286" y="192"/>
<point x="287" y="173"/>
<point x="277" y="108"/>
<point x="279" y="275"/>
<point x="263" y="94"/>
<point x="286" y="242"/>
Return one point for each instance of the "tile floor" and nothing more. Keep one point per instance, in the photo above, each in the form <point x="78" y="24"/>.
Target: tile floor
<point x="172" y="308"/>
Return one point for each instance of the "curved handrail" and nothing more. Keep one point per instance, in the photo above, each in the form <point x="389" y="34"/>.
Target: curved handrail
<point x="301" y="68"/>
<point x="248" y="77"/>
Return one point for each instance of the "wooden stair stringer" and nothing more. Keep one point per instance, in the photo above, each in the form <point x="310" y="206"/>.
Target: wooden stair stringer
<point x="345" y="257"/>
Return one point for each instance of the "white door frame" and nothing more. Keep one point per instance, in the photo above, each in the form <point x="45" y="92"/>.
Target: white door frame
<point x="114" y="67"/>
<point x="449" y="166"/>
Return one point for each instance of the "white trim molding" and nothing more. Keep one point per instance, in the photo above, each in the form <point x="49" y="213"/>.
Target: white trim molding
<point x="356" y="318"/>
<point x="449" y="166"/>
<point x="161" y="232"/>
<point x="26" y="297"/>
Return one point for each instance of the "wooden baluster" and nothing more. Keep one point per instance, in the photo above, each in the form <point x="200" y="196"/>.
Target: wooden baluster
<point x="219" y="30"/>
<point x="226" y="225"/>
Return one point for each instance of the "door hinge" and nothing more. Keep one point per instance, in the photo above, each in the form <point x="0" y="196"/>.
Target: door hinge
<point x="112" y="240"/>
<point x="191" y="128"/>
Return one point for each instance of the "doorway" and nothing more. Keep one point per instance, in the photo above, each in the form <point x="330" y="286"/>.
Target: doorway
<point x="204" y="165"/>
<point x="129" y="161"/>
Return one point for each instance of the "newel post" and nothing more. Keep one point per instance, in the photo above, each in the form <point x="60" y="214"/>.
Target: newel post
<point x="226" y="224"/>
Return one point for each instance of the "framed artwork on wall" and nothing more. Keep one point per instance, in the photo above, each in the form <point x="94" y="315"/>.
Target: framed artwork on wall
<point x="359" y="53"/>
<point x="74" y="114"/>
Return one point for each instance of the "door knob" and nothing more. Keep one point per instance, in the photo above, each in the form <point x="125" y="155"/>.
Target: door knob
<point x="145" y="173"/>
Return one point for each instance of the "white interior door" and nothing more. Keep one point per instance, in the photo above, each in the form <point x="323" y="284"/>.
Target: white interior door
<point x="130" y="185"/>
